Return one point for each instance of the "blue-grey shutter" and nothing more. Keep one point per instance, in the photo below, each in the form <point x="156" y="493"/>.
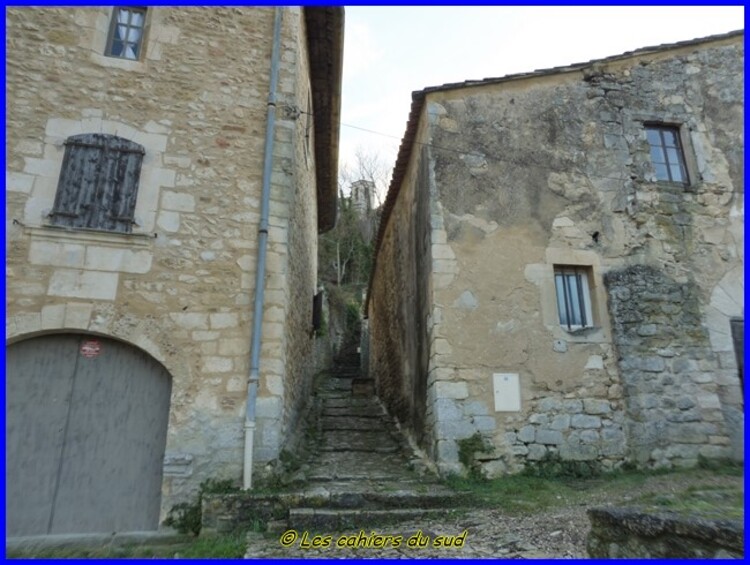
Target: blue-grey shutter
<point x="99" y="183"/>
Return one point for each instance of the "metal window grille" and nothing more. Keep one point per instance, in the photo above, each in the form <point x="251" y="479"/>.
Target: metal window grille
<point x="667" y="155"/>
<point x="573" y="299"/>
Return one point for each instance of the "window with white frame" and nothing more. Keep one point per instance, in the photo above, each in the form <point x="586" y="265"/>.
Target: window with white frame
<point x="126" y="33"/>
<point x="573" y="297"/>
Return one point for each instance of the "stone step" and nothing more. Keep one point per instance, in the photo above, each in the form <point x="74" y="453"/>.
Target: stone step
<point x="363" y="387"/>
<point x="343" y="402"/>
<point x="359" y="465"/>
<point x="328" y="519"/>
<point x="359" y="439"/>
<point x="352" y="404"/>
<point x="367" y="501"/>
<point x="342" y="384"/>
<point x="373" y="478"/>
<point x="356" y="423"/>
<point x="342" y="398"/>
<point x="366" y="411"/>
<point x="361" y="448"/>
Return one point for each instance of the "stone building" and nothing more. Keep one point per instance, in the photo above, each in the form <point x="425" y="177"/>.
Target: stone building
<point x="559" y="267"/>
<point x="141" y="146"/>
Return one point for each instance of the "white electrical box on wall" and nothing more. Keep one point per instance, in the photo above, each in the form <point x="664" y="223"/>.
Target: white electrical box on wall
<point x="507" y="389"/>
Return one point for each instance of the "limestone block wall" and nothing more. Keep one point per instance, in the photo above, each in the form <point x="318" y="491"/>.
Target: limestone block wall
<point x="553" y="170"/>
<point x="288" y="377"/>
<point x="181" y="285"/>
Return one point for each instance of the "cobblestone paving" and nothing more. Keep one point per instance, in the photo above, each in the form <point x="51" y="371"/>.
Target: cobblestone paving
<point x="489" y="534"/>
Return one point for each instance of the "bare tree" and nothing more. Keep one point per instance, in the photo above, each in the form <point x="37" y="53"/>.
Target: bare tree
<point x="368" y="166"/>
<point x="346" y="251"/>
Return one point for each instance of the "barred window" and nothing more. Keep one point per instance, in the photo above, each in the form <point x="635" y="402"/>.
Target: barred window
<point x="573" y="297"/>
<point x="126" y="33"/>
<point x="667" y="154"/>
<point x="98" y="183"/>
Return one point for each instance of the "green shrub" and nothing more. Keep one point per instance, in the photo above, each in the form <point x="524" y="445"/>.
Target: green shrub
<point x="467" y="447"/>
<point x="186" y="517"/>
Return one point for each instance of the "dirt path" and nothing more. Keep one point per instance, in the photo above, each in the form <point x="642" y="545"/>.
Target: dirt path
<point x="558" y="532"/>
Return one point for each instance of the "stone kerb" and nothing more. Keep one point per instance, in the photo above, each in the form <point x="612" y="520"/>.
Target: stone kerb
<point x="622" y="532"/>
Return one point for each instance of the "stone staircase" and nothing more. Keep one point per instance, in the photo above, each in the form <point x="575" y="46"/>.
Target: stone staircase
<point x="363" y="468"/>
<point x="360" y="473"/>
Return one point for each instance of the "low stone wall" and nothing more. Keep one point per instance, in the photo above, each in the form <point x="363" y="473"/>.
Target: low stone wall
<point x="622" y="532"/>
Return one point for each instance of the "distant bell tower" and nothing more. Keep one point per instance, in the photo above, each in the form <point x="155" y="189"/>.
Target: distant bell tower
<point x="362" y="196"/>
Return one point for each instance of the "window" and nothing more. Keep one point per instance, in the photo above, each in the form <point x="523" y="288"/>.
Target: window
<point x="126" y="33"/>
<point x="737" y="326"/>
<point x="98" y="183"/>
<point x="573" y="297"/>
<point x="667" y="155"/>
<point x="317" y="321"/>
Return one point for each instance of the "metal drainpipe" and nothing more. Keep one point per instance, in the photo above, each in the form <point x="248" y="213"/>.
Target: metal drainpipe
<point x="260" y="273"/>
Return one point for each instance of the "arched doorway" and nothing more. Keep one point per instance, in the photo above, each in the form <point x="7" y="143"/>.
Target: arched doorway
<point x="86" y="425"/>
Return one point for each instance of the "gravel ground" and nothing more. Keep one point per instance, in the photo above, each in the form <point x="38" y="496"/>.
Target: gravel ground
<point x="558" y="532"/>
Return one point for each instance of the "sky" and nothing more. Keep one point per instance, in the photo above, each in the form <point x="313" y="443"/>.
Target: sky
<point x="390" y="51"/>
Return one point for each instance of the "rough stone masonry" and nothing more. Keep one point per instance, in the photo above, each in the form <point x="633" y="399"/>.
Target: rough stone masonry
<point x="525" y="177"/>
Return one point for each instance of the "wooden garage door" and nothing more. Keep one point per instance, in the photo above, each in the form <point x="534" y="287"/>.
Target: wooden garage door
<point x="86" y="423"/>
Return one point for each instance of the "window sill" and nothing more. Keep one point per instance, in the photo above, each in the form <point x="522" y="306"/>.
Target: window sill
<point x="138" y="66"/>
<point x="580" y="331"/>
<point x="78" y="235"/>
<point x="676" y="186"/>
<point x="591" y="334"/>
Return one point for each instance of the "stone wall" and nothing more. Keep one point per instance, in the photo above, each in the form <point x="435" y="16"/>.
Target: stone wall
<point x="288" y="360"/>
<point x="399" y="305"/>
<point x="181" y="286"/>
<point x="668" y="371"/>
<point x="630" y="533"/>
<point x="553" y="169"/>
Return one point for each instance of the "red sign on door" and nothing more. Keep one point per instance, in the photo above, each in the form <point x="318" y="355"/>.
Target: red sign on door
<point x="91" y="348"/>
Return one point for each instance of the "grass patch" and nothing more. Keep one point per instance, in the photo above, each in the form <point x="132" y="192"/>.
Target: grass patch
<point x="219" y="546"/>
<point x="514" y="493"/>
<point x="230" y="546"/>
<point x="526" y="493"/>
<point x="704" y="500"/>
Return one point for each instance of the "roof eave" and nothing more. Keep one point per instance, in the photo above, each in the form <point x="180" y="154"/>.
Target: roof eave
<point x="325" y="42"/>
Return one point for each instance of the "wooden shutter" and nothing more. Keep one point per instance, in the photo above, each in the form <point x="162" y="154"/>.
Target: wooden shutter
<point x="119" y="187"/>
<point x="76" y="188"/>
<point x="98" y="183"/>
